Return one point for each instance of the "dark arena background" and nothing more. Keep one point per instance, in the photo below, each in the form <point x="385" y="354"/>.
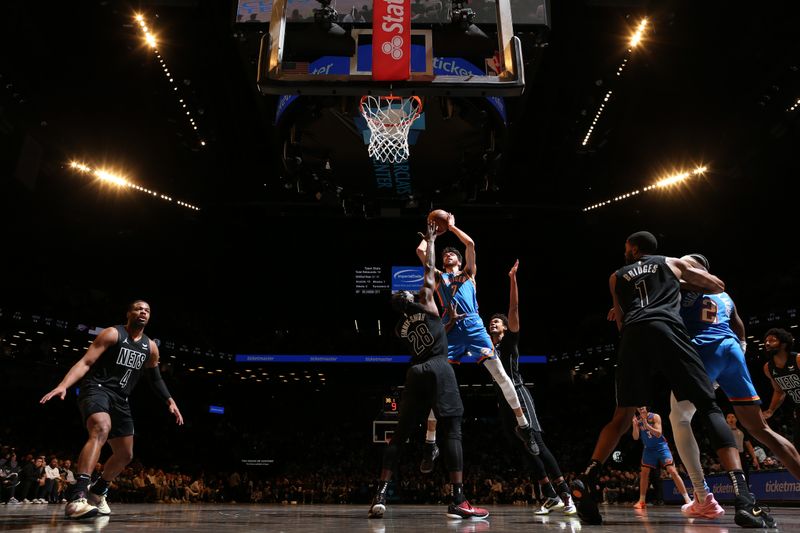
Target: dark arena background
<point x="143" y="154"/>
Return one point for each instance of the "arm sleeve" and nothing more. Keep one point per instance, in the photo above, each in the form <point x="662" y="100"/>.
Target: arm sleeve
<point x="157" y="383"/>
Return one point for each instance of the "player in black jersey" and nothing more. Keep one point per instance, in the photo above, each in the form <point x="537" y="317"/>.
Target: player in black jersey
<point x="430" y="384"/>
<point x="783" y="371"/>
<point x="110" y="369"/>
<point x="646" y="296"/>
<point x="504" y="331"/>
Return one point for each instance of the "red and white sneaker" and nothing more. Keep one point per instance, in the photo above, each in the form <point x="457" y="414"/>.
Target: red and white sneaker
<point x="465" y="510"/>
<point x="640" y="505"/>
<point x="708" y="509"/>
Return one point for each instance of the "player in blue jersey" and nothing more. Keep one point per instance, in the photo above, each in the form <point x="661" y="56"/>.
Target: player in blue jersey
<point x="718" y="335"/>
<point x="647" y="428"/>
<point x="466" y="335"/>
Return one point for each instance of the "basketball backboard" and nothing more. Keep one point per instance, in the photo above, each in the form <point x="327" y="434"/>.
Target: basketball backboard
<point x="309" y="51"/>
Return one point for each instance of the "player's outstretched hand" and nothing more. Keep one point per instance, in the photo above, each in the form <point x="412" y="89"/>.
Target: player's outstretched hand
<point x="513" y="271"/>
<point x="173" y="408"/>
<point x="451" y="222"/>
<point x="59" y="391"/>
<point x="430" y="235"/>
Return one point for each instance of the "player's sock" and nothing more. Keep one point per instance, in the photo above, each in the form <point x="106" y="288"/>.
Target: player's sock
<point x="457" y="493"/>
<point x="739" y="483"/>
<point x="430" y="437"/>
<point x="562" y="487"/>
<point x="522" y="421"/>
<point x="81" y="486"/>
<point x="382" y="486"/>
<point x="100" y="486"/>
<point x="547" y="490"/>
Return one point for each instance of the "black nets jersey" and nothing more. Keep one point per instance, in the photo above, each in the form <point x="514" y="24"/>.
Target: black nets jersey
<point x="508" y="352"/>
<point x="649" y="290"/>
<point x="787" y="378"/>
<point x="423" y="334"/>
<point x="119" y="368"/>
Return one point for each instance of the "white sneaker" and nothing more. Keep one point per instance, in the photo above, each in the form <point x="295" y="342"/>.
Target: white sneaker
<point x="80" y="508"/>
<point x="99" y="501"/>
<point x="26" y="500"/>
<point x="14" y="501"/>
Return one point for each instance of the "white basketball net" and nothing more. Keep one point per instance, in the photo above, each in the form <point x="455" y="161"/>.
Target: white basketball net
<point x="389" y="119"/>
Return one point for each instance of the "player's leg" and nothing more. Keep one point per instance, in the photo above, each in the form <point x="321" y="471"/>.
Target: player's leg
<point x="737" y="384"/>
<point x="680" y="363"/>
<point x="95" y="407"/>
<point x="122" y="455"/>
<point x="679" y="485"/>
<point x="644" y="483"/>
<point x="545" y="466"/>
<point x="704" y="504"/>
<point x="481" y="343"/>
<point x="633" y="389"/>
<point x="430" y="451"/>
<point x="413" y="406"/>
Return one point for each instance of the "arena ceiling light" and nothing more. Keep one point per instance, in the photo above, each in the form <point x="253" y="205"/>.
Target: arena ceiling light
<point x="663" y="183"/>
<point x="638" y="34"/>
<point x="633" y="42"/>
<point x="107" y="176"/>
<point x="151" y="41"/>
<point x="794" y="106"/>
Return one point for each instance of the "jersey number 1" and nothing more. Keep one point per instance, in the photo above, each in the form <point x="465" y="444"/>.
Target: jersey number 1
<point x="641" y="286"/>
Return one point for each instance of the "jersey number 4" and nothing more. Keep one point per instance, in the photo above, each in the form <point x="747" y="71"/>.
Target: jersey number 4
<point x="125" y="378"/>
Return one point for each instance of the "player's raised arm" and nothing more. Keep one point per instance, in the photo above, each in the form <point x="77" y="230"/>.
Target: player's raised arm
<point x="429" y="280"/>
<point x="695" y="277"/>
<point x="108" y="337"/>
<point x="469" y="256"/>
<point x="513" y="300"/>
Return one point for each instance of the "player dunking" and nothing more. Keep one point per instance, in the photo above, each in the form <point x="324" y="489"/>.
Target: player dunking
<point x="430" y="384"/>
<point x="110" y="369"/>
<point x="457" y="293"/>
<point x="783" y="371"/>
<point x="646" y="296"/>
<point x="504" y="331"/>
<point x="647" y="428"/>
<point x="718" y="335"/>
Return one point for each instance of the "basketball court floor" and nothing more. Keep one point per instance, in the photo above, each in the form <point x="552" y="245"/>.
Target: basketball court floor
<point x="353" y="519"/>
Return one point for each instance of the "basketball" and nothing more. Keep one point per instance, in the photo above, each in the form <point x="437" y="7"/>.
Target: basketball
<point x="442" y="219"/>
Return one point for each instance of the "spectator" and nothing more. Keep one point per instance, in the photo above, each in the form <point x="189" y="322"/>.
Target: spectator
<point x="52" y="475"/>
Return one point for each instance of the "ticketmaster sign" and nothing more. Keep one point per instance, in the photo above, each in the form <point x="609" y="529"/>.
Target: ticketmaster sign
<point x="771" y="486"/>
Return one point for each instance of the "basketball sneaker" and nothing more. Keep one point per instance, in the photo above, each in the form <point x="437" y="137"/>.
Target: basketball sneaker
<point x="429" y="454"/>
<point x="586" y="506"/>
<point x="525" y="434"/>
<point x="640" y="505"/>
<point x="378" y="506"/>
<point x="750" y="515"/>
<point x="709" y="508"/>
<point x="568" y="507"/>
<point x="550" y="504"/>
<point x="79" y="508"/>
<point x="465" y="510"/>
<point x="99" y="501"/>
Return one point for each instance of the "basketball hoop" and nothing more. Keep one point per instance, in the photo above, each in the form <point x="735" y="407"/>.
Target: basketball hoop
<point x="389" y="119"/>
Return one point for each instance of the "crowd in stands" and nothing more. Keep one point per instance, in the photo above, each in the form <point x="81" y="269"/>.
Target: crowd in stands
<point x="40" y="479"/>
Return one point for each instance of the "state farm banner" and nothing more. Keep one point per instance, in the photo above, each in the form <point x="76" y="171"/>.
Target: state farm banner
<point x="391" y="40"/>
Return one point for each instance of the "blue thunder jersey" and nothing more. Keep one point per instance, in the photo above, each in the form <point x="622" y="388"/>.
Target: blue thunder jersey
<point x="459" y="288"/>
<point x="649" y="441"/>
<point x="707" y="317"/>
